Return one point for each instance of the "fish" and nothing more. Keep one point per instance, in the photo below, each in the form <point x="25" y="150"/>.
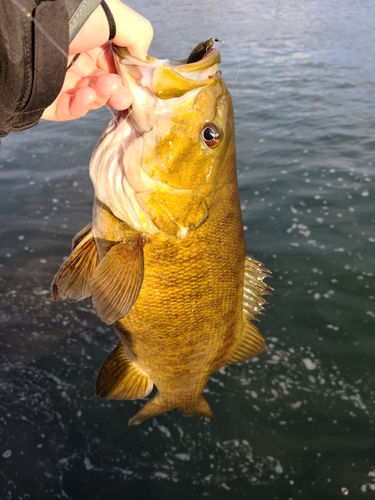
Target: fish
<point x="164" y="259"/>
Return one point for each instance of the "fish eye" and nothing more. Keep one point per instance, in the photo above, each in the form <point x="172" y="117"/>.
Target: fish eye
<point x="211" y="135"/>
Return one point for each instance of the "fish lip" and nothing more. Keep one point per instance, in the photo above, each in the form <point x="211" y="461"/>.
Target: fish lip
<point x="211" y="57"/>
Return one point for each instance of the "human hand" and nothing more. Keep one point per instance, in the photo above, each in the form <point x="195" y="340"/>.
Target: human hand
<point x="92" y="80"/>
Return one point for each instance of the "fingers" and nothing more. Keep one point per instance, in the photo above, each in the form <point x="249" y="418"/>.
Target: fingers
<point x="132" y="30"/>
<point x="71" y="106"/>
<point x="108" y="89"/>
<point x="91" y="82"/>
<point x="90" y="93"/>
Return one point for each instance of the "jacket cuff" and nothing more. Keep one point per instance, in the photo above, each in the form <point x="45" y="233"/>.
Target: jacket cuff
<point x="78" y="18"/>
<point x="33" y="60"/>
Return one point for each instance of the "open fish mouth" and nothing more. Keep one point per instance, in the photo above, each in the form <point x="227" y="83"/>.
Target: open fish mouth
<point x="130" y="167"/>
<point x="156" y="80"/>
<point x="168" y="78"/>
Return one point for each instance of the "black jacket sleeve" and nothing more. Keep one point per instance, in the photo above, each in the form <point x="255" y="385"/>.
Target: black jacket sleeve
<point x="34" y="41"/>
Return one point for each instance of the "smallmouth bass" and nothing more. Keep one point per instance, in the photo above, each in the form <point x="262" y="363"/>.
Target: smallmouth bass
<point x="164" y="258"/>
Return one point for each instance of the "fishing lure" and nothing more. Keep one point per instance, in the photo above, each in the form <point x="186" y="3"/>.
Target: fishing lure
<point x="201" y="49"/>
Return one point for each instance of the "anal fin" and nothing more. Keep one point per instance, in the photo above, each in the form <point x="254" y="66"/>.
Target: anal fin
<point x="120" y="378"/>
<point x="72" y="282"/>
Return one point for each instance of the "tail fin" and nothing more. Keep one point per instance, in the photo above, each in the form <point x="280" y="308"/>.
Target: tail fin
<point x="152" y="408"/>
<point x="156" y="406"/>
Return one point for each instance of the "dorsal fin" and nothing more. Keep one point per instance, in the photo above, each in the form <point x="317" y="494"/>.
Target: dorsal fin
<point x="250" y="342"/>
<point x="117" y="280"/>
<point x="120" y="378"/>
<point x="254" y="288"/>
<point x="72" y="282"/>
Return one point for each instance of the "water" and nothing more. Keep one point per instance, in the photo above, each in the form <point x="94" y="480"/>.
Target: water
<point x="295" y="423"/>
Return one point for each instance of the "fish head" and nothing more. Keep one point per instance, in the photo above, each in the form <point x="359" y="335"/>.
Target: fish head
<point x="159" y="163"/>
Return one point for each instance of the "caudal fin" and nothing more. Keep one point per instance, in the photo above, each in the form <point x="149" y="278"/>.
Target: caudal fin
<point x="156" y="406"/>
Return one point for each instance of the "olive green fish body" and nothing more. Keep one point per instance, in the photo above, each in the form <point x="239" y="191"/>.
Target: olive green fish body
<point x="164" y="258"/>
<point x="189" y="309"/>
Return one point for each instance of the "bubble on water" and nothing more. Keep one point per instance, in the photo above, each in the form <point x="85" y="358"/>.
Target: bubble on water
<point x="345" y="491"/>
<point x="309" y="364"/>
<point x="88" y="464"/>
<point x="7" y="454"/>
<point x="278" y="468"/>
<point x="161" y="475"/>
<point x="365" y="193"/>
<point x="333" y="327"/>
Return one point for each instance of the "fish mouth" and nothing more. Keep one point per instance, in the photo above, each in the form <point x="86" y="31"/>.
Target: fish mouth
<point x="165" y="78"/>
<point x="155" y="84"/>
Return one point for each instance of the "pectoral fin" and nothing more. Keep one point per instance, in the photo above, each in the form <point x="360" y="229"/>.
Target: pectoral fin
<point x="81" y="234"/>
<point x="120" y="378"/>
<point x="117" y="280"/>
<point x="72" y="282"/>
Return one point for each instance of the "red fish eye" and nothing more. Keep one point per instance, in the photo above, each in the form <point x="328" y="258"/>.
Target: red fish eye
<point x="211" y="135"/>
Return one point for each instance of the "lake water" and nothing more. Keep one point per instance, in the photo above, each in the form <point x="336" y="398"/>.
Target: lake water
<point x="296" y="423"/>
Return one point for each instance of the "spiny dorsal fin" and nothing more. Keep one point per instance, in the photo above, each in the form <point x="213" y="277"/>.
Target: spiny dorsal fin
<point x="117" y="280"/>
<point x="254" y="288"/>
<point x="120" y="378"/>
<point x="251" y="342"/>
<point x="72" y="282"/>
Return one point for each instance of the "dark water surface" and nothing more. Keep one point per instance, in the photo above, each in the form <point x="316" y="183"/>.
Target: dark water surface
<point x="295" y="423"/>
